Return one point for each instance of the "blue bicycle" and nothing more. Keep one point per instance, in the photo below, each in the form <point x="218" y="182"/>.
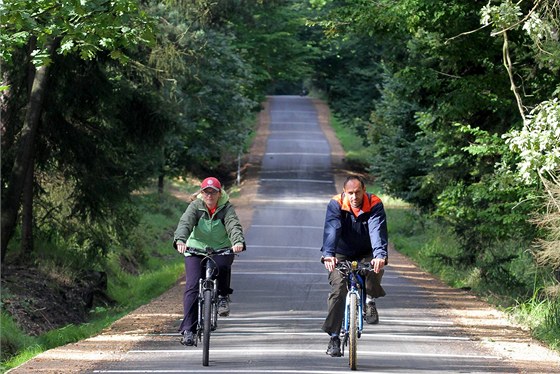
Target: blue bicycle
<point x="353" y="323"/>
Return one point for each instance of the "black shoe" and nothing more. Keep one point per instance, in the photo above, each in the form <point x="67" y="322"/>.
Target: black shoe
<point x="187" y="338"/>
<point x="333" y="349"/>
<point x="223" y="306"/>
<point x="371" y="315"/>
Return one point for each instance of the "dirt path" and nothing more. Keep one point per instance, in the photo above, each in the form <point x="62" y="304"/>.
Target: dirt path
<point x="483" y="323"/>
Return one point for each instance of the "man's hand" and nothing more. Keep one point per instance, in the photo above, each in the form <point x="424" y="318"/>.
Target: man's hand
<point x="378" y="264"/>
<point x="330" y="263"/>
<point x="181" y="247"/>
<point x="237" y="248"/>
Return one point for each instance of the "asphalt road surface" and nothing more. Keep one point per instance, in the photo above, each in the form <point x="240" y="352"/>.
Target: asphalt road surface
<point x="281" y="288"/>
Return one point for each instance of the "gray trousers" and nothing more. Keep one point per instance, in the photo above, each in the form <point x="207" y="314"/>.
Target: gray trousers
<point x="337" y="296"/>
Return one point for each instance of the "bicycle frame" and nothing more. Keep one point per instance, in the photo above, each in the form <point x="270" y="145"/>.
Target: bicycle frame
<point x="356" y="289"/>
<point x="204" y="284"/>
<point x="355" y="286"/>
<point x="207" y="299"/>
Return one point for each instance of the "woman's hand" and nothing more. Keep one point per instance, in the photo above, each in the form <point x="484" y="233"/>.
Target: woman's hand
<point x="181" y="247"/>
<point x="237" y="248"/>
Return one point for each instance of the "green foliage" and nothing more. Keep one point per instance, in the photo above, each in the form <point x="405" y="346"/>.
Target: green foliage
<point x="538" y="143"/>
<point x="84" y="28"/>
<point x="11" y="337"/>
<point x="541" y="315"/>
<point x="211" y="111"/>
<point x="272" y="36"/>
<point x="130" y="291"/>
<point x="490" y="211"/>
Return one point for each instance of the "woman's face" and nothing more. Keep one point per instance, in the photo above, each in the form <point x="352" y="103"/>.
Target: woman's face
<point x="211" y="197"/>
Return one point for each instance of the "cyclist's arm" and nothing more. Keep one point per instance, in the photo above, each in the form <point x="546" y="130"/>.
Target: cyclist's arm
<point x="331" y="234"/>
<point x="377" y="224"/>
<point x="234" y="229"/>
<point x="184" y="227"/>
<point x="332" y="228"/>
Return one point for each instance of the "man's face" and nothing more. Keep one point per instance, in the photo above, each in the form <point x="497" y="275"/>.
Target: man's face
<point x="355" y="193"/>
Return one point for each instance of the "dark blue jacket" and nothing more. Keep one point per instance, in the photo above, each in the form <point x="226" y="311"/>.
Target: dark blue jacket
<point x="353" y="236"/>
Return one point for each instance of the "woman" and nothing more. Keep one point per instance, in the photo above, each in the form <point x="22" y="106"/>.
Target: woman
<point x="209" y="221"/>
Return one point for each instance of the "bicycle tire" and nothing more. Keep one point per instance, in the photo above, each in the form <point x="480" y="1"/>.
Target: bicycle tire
<point x="353" y="332"/>
<point x="207" y="326"/>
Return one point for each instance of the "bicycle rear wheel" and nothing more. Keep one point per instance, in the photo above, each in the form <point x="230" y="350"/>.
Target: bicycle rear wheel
<point x="353" y="332"/>
<point x="207" y="326"/>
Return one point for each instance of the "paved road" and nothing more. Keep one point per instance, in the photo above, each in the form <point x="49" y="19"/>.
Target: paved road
<point x="280" y="294"/>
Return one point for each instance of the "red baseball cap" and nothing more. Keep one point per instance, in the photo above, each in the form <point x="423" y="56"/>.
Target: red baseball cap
<point x="211" y="182"/>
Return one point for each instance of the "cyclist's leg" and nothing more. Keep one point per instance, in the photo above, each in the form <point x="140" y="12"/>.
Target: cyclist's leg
<point x="336" y="301"/>
<point x="193" y="271"/>
<point x="373" y="282"/>
<point x="224" y="262"/>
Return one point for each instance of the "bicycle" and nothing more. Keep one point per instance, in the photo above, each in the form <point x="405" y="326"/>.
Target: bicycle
<point x="207" y="298"/>
<point x="353" y="323"/>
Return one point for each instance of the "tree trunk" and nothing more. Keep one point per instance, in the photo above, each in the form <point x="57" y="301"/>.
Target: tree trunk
<point x="27" y="213"/>
<point x="24" y="157"/>
<point x="160" y="184"/>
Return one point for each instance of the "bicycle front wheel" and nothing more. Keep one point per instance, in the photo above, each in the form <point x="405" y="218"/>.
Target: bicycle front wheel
<point x="207" y="326"/>
<point x="353" y="332"/>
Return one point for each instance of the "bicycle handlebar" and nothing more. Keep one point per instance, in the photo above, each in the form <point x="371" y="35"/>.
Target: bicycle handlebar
<point x="347" y="266"/>
<point x="209" y="251"/>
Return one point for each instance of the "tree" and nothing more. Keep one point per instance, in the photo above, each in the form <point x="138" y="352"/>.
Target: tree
<point x="444" y="103"/>
<point x="63" y="27"/>
<point x="538" y="141"/>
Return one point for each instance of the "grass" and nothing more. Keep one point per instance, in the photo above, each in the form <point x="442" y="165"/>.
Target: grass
<point x="356" y="153"/>
<point x="160" y="269"/>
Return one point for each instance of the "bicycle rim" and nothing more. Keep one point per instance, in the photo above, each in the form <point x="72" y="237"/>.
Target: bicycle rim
<point x="207" y="327"/>
<point x="353" y="332"/>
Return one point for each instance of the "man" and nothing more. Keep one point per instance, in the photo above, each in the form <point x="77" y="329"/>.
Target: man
<point x="355" y="230"/>
<point x="209" y="221"/>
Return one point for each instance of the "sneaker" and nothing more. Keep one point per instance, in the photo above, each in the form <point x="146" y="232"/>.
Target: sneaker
<point x="223" y="306"/>
<point x="187" y="338"/>
<point x="371" y="315"/>
<point x="333" y="349"/>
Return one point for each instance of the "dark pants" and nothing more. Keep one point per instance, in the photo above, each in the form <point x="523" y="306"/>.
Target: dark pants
<point x="194" y="270"/>
<point x="339" y="290"/>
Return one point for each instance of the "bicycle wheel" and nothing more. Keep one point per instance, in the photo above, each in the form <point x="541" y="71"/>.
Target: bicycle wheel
<point x="353" y="332"/>
<point x="207" y="326"/>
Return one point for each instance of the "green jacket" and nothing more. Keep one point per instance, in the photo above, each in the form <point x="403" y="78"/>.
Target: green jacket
<point x="209" y="231"/>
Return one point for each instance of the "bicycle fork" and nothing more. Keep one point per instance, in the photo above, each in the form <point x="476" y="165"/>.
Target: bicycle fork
<point x="344" y="332"/>
<point x="204" y="284"/>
